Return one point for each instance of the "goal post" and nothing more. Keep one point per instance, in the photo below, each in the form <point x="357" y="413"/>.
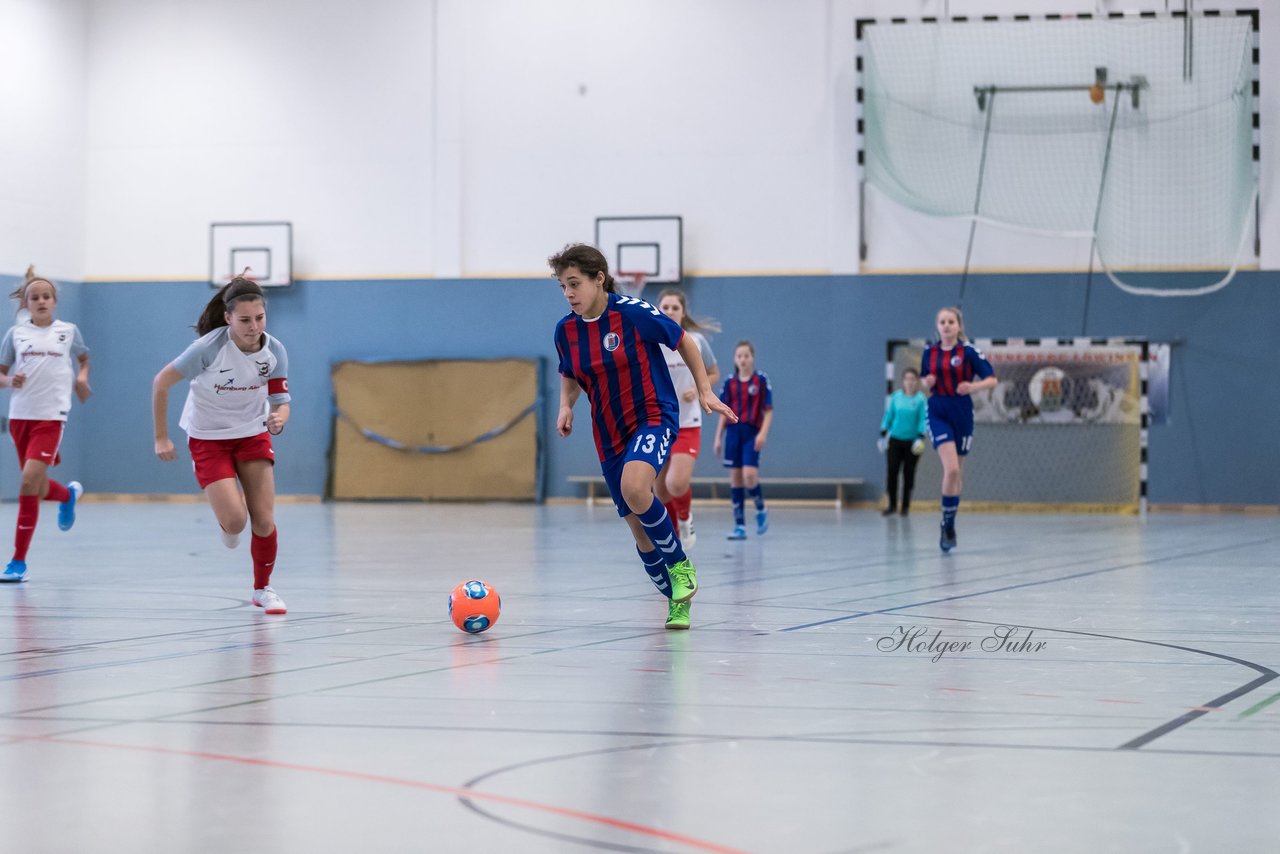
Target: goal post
<point x="1064" y="429"/>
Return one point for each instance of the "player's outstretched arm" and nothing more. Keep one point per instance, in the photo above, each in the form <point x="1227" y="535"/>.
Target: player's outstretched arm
<point x="707" y="397"/>
<point x="278" y="418"/>
<point x="763" y="435"/>
<point x="160" y="386"/>
<point x="979" y="385"/>
<point x="82" y="379"/>
<point x="569" y="391"/>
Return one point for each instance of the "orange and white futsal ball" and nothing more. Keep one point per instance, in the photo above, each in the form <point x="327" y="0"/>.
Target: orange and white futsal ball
<point x="474" y="606"/>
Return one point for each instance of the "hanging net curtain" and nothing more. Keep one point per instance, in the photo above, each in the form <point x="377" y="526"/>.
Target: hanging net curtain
<point x="1169" y="182"/>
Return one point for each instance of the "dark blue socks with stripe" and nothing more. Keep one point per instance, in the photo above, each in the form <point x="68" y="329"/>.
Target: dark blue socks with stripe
<point x="661" y="530"/>
<point x="656" y="569"/>
<point x="950" y="504"/>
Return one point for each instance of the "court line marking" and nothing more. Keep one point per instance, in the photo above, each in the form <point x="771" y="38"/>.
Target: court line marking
<point x="1037" y="583"/>
<point x="1266" y="675"/>
<point x="1258" y="707"/>
<point x="361" y="776"/>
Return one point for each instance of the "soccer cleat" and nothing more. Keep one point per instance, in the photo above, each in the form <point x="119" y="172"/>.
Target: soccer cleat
<point x="67" y="509"/>
<point x="228" y="539"/>
<point x="762" y="521"/>
<point x="269" y="601"/>
<point x="947" y="541"/>
<point x="687" y="535"/>
<point x="16" y="571"/>
<point x="739" y="533"/>
<point x="684" y="581"/>
<point x="678" y="615"/>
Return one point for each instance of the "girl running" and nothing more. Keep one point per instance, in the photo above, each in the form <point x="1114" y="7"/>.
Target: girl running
<point x="608" y="346"/>
<point x="49" y="359"/>
<point x="948" y="369"/>
<point x="750" y="395"/>
<point x="674" y="483"/>
<point x="239" y="393"/>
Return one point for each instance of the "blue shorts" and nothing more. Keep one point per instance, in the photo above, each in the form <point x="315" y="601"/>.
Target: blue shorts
<point x="951" y="420"/>
<point x="740" y="446"/>
<point x="651" y="444"/>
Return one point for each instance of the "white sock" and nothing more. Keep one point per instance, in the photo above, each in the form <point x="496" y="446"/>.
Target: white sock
<point x="228" y="540"/>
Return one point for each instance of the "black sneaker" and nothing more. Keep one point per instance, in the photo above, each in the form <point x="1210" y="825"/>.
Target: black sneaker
<point x="947" y="541"/>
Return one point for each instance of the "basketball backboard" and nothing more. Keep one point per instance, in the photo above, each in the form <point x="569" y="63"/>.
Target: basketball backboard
<point x="649" y="245"/>
<point x="266" y="248"/>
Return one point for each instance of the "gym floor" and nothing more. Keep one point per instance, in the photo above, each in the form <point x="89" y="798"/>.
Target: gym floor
<point x="1057" y="684"/>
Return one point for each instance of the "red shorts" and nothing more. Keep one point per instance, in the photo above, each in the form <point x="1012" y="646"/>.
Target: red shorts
<point x="215" y="459"/>
<point x="37" y="440"/>
<point x="688" y="440"/>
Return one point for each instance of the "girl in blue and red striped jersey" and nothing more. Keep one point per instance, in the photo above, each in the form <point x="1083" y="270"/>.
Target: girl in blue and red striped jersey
<point x="239" y="393"/>
<point x="750" y="396"/>
<point x="948" y="369"/>
<point x="609" y="346"/>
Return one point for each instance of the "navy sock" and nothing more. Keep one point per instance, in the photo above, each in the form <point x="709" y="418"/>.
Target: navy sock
<point x="950" y="504"/>
<point x="738" y="496"/>
<point x="661" y="530"/>
<point x="757" y="495"/>
<point x="656" y="569"/>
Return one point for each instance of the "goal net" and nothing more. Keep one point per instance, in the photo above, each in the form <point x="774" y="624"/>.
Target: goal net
<point x="1065" y="428"/>
<point x="996" y="121"/>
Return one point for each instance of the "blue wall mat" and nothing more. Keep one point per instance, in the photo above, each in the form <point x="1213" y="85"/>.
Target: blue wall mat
<point x="820" y="339"/>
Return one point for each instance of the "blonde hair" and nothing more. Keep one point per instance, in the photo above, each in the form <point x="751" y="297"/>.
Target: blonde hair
<point x="959" y="320"/>
<point x="704" y="324"/>
<point x="20" y="293"/>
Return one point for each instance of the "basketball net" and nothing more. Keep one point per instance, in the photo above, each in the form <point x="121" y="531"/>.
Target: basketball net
<point x="631" y="284"/>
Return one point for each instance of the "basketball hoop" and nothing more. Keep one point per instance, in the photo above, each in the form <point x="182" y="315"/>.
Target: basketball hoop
<point x="631" y="284"/>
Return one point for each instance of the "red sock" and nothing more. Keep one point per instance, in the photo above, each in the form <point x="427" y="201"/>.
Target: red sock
<point x="263" y="550"/>
<point x="671" y="511"/>
<point x="683" y="504"/>
<point x="28" y="513"/>
<point x="57" y="492"/>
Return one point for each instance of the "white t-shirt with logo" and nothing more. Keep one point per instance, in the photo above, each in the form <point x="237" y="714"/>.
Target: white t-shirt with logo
<point x="682" y="378"/>
<point x="49" y="357"/>
<point x="231" y="391"/>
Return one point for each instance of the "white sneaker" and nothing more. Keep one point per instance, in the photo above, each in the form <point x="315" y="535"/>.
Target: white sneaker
<point x="269" y="601"/>
<point x="228" y="539"/>
<point x="687" y="535"/>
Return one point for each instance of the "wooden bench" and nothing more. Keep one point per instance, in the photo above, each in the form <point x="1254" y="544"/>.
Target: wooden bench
<point x="596" y="482"/>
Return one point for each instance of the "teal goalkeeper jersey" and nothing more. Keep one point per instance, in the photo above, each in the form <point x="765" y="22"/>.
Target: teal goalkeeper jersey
<point x="904" y="417"/>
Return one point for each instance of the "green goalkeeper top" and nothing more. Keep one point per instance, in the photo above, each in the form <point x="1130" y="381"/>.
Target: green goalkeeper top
<point x="904" y="416"/>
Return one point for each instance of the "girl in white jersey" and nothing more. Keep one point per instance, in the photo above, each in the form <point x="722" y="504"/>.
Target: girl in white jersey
<point x="48" y="358"/>
<point x="239" y="393"/>
<point x="673" y="486"/>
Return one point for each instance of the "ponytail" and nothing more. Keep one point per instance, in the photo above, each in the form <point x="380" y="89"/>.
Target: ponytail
<point x="215" y="313"/>
<point x="704" y="324"/>
<point x="20" y="293"/>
